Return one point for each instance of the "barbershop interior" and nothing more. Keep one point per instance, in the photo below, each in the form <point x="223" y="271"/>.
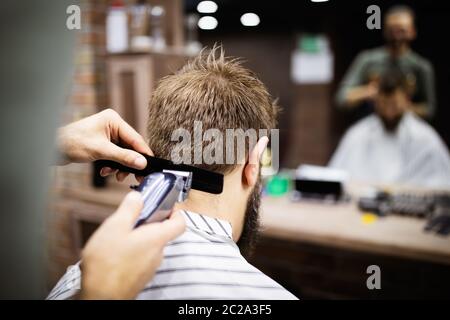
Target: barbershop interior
<point x="354" y="194"/>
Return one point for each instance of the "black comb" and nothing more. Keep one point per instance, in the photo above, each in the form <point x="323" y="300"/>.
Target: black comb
<point x="202" y="180"/>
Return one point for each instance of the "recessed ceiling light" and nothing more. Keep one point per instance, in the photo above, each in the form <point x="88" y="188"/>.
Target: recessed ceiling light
<point x="250" y="19"/>
<point x="207" y="23"/>
<point x="207" y="7"/>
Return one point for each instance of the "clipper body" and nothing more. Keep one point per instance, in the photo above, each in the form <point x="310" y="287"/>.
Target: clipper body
<point x="160" y="191"/>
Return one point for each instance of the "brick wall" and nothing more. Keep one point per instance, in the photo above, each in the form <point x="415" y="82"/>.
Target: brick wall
<point x="87" y="96"/>
<point x="88" y="92"/>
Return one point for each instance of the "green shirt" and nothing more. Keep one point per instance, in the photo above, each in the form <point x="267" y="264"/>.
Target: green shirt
<point x="371" y="63"/>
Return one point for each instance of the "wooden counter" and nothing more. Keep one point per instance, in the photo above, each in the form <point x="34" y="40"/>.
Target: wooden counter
<point x="341" y="226"/>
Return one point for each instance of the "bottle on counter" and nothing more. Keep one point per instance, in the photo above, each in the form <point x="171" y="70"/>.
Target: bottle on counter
<point x="193" y="46"/>
<point x="117" y="28"/>
<point x="140" y="40"/>
<point x="157" y="24"/>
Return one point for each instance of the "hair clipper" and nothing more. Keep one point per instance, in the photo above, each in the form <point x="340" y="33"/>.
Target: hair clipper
<point x="165" y="184"/>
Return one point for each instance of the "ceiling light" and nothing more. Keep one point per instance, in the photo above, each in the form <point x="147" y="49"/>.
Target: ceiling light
<point x="250" y="19"/>
<point x="207" y="23"/>
<point x="207" y="7"/>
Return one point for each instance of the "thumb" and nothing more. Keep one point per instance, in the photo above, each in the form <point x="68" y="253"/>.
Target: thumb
<point x="165" y="231"/>
<point x="130" y="208"/>
<point x="124" y="156"/>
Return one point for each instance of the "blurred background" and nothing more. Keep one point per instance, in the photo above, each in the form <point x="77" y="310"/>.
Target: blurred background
<point x="321" y="229"/>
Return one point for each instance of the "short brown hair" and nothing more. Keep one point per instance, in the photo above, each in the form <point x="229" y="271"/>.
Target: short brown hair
<point x="400" y="9"/>
<point x="393" y="79"/>
<point x="215" y="90"/>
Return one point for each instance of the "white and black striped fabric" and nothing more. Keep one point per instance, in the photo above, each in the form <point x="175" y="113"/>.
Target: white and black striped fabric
<point x="203" y="263"/>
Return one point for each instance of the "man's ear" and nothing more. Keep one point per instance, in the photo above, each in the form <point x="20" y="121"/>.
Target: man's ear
<point x="251" y="169"/>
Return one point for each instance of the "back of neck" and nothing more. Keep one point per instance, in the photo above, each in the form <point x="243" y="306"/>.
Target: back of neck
<point x="221" y="206"/>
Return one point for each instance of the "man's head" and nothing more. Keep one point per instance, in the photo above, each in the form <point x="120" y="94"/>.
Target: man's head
<point x="219" y="94"/>
<point x="393" y="98"/>
<point x="399" y="29"/>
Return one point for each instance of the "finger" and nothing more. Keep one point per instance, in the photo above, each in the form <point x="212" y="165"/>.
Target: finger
<point x="127" y="157"/>
<point x="106" y="171"/>
<point x="172" y="227"/>
<point x="129" y="209"/>
<point x="120" y="176"/>
<point x="127" y="135"/>
<point x="163" y="232"/>
<point x="139" y="178"/>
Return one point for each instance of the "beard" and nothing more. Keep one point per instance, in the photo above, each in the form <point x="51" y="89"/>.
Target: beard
<point x="391" y="124"/>
<point x="250" y="231"/>
<point x="396" y="43"/>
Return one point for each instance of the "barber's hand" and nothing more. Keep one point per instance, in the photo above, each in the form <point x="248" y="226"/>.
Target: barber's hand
<point x="98" y="137"/>
<point x="362" y="93"/>
<point x="118" y="261"/>
<point x="371" y="90"/>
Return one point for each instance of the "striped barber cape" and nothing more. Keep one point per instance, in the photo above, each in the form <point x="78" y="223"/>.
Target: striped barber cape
<point x="202" y="263"/>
